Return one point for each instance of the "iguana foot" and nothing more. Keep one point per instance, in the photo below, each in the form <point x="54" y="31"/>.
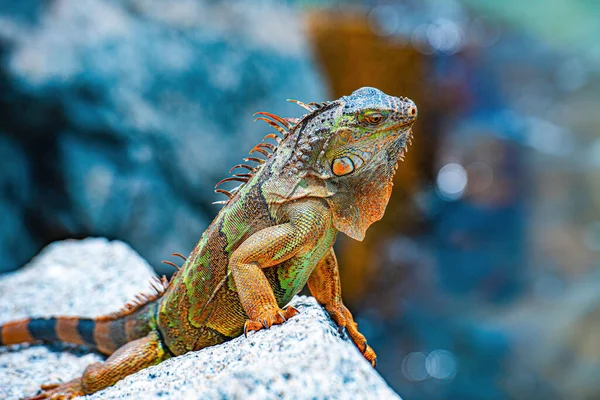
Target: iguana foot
<point x="267" y="319"/>
<point x="63" y="391"/>
<point x="343" y="318"/>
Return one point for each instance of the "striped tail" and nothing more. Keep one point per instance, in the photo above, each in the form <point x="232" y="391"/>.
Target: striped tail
<point x="104" y="336"/>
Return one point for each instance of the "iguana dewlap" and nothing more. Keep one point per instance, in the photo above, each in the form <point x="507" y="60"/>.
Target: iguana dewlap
<point x="329" y="171"/>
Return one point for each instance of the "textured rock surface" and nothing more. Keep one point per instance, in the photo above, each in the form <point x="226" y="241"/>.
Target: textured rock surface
<point x="87" y="278"/>
<point x="303" y="358"/>
<point x="125" y="113"/>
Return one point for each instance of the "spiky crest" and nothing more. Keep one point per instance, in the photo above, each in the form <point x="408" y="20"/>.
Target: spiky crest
<point x="276" y="118"/>
<point x="283" y="126"/>
<point x="252" y="169"/>
<point x="172" y="264"/>
<point x="158" y="287"/>
<point x="261" y="151"/>
<point x="184" y="258"/>
<point x="225" y="192"/>
<point x="267" y="146"/>
<point x="231" y="179"/>
<point x="303" y="105"/>
<point x="258" y="160"/>
<point x="280" y="129"/>
<point x="272" y="136"/>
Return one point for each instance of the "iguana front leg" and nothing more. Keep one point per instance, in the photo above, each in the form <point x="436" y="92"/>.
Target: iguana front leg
<point x="269" y="247"/>
<point x="324" y="285"/>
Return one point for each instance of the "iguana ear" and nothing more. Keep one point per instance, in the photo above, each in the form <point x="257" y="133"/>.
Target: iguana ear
<point x="357" y="203"/>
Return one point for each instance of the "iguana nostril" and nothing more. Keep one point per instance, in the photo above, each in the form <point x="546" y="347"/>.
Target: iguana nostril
<point x="412" y="111"/>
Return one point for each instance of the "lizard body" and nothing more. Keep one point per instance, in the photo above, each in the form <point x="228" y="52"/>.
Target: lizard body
<point x="331" y="171"/>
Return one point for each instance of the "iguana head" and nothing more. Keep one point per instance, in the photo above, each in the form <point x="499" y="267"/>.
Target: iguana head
<point x="347" y="151"/>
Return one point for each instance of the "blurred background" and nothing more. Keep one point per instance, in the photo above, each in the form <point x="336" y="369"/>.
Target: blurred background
<point x="117" y="117"/>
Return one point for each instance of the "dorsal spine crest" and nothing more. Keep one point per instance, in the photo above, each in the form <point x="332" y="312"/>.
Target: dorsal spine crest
<point x="286" y="127"/>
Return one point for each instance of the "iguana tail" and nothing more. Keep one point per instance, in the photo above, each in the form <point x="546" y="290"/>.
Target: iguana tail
<point x="105" y="334"/>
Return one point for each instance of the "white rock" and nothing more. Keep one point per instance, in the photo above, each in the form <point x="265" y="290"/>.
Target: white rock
<point x="305" y="358"/>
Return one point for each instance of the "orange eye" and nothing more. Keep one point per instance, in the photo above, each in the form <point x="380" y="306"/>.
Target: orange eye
<point x="342" y="166"/>
<point x="373" y="119"/>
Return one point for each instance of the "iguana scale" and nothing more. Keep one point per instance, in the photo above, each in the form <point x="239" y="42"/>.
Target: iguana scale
<point x="330" y="171"/>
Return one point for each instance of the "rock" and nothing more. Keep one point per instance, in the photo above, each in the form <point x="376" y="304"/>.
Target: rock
<point x="87" y="278"/>
<point x="304" y="358"/>
<point x="129" y="111"/>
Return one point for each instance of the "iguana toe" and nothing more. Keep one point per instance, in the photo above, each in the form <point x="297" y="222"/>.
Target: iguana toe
<point x="270" y="318"/>
<point x="63" y="391"/>
<point x="344" y="320"/>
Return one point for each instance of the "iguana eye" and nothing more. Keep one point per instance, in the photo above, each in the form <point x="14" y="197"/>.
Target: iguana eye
<point x="342" y="166"/>
<point x="373" y="118"/>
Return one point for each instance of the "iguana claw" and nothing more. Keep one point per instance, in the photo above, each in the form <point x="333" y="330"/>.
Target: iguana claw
<point x="282" y="316"/>
<point x="277" y="317"/>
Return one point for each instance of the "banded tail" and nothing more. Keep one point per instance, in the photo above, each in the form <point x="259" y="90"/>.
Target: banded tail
<point x="105" y="334"/>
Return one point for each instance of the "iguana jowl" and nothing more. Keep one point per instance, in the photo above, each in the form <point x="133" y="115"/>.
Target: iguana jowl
<point x="330" y="171"/>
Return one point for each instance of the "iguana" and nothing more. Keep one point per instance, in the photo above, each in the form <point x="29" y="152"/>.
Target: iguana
<point x="330" y="170"/>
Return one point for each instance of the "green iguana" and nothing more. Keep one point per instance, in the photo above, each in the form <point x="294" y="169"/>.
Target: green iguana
<point x="330" y="171"/>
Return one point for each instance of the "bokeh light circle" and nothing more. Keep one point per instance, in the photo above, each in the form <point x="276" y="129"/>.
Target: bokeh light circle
<point x="451" y="181"/>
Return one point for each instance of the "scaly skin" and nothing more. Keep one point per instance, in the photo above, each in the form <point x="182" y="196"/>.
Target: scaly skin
<point x="331" y="171"/>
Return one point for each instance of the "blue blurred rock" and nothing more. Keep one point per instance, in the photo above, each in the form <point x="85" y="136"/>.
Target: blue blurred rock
<point x="128" y="112"/>
<point x="16" y="241"/>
